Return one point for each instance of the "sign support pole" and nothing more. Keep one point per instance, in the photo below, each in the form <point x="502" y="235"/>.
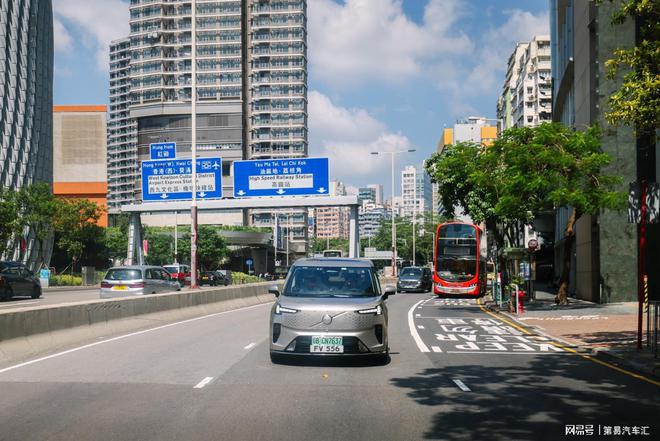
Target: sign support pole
<point x="640" y="272"/>
<point x="193" y="99"/>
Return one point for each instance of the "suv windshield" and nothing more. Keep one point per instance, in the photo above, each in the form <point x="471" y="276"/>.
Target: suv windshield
<point x="414" y="272"/>
<point x="123" y="274"/>
<point x="319" y="281"/>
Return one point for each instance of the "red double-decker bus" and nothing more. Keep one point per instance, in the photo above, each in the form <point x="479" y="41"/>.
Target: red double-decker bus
<point x="459" y="268"/>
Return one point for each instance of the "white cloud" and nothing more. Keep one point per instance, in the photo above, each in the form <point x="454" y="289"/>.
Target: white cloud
<point x="347" y="137"/>
<point x="63" y="40"/>
<point x="98" y="22"/>
<point x="366" y="40"/>
<point x="496" y="47"/>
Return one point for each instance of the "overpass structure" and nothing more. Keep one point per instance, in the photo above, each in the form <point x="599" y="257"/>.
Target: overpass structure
<point x="135" y="253"/>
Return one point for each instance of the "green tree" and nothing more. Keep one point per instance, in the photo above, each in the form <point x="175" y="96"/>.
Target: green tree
<point x="426" y="225"/>
<point x="37" y="207"/>
<point x="116" y="242"/>
<point x="528" y="171"/>
<point x="10" y="225"/>
<point x="161" y="246"/>
<point x="75" y="227"/>
<point x="321" y="244"/>
<point x="637" y="101"/>
<point x="211" y="247"/>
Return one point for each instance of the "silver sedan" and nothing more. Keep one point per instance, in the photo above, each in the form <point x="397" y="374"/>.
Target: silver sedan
<point x="137" y="280"/>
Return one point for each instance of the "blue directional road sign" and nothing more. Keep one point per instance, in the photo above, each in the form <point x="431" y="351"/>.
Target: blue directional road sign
<point x="172" y="180"/>
<point x="162" y="150"/>
<point x="281" y="177"/>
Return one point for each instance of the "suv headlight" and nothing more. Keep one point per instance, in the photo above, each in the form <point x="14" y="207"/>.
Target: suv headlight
<point x="378" y="310"/>
<point x="281" y="309"/>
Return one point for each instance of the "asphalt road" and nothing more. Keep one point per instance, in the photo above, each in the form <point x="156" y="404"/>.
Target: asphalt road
<point x="211" y="379"/>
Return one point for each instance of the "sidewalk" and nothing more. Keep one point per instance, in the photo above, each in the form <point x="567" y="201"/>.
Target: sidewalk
<point x="608" y="331"/>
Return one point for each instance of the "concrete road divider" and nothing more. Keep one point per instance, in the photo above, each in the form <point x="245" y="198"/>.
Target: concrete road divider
<point x="28" y="332"/>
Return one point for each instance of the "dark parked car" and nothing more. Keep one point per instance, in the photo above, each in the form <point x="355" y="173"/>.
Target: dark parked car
<point x="213" y="278"/>
<point x="415" y="278"/>
<point x="17" y="280"/>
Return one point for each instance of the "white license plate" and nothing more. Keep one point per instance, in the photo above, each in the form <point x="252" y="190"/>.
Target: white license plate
<point x="327" y="345"/>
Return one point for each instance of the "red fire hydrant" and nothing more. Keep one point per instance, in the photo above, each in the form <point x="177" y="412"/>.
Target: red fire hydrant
<point x="521" y="296"/>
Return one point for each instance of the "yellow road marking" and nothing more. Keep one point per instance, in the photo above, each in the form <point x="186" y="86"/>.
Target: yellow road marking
<point x="573" y="351"/>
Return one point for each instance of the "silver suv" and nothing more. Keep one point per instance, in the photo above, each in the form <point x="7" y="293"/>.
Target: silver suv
<point x="330" y="307"/>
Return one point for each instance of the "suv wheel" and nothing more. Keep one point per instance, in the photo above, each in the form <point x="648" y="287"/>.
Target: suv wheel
<point x="36" y="292"/>
<point x="6" y="294"/>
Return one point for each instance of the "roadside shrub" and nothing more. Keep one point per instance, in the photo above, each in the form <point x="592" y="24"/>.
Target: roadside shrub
<point x="65" y="280"/>
<point x="242" y="278"/>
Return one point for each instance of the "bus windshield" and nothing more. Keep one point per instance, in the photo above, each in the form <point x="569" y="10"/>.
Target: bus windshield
<point x="457" y="269"/>
<point x="457" y="252"/>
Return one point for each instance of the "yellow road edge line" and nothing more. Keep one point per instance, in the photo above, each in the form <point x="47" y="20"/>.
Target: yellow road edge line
<point x="573" y="351"/>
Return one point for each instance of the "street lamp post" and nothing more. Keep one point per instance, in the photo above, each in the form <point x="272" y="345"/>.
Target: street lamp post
<point x="193" y="99"/>
<point x="392" y="153"/>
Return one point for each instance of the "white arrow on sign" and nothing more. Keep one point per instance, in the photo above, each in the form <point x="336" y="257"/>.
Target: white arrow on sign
<point x="321" y="190"/>
<point x="280" y="191"/>
<point x="240" y="193"/>
<point x="202" y="194"/>
<point x="164" y="196"/>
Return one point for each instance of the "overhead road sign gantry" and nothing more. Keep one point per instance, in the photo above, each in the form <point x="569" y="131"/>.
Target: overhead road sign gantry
<point x="281" y="177"/>
<point x="162" y="150"/>
<point x="166" y="180"/>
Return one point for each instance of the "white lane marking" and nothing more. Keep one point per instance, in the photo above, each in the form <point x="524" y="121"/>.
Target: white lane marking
<point x="420" y="327"/>
<point x="121" y="337"/>
<point x="203" y="383"/>
<point x="250" y="346"/>
<point x="19" y="304"/>
<point x="461" y="385"/>
<point x="418" y="315"/>
<point x="436" y="349"/>
<point x="506" y="353"/>
<point x="411" y="324"/>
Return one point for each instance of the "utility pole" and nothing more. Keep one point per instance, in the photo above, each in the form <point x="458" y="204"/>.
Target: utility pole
<point x="193" y="99"/>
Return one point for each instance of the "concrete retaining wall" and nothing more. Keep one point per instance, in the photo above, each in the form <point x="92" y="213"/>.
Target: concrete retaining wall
<point x="28" y="332"/>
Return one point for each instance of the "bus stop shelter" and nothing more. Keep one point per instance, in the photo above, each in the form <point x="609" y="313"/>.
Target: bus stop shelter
<point x="273" y="203"/>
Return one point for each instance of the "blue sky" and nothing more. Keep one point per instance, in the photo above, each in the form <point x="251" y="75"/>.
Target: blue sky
<point x="383" y="74"/>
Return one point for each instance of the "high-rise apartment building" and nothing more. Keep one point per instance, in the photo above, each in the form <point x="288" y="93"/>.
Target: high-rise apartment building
<point x="366" y="194"/>
<point x="251" y="82"/>
<point x="370" y="218"/>
<point x="333" y="222"/>
<point x="26" y="106"/>
<point x="123" y="167"/>
<point x="416" y="191"/>
<point x="379" y="193"/>
<point x="473" y="128"/>
<point x="526" y="98"/>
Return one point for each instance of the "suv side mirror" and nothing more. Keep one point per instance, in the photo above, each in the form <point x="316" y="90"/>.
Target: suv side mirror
<point x="274" y="290"/>
<point x="389" y="291"/>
